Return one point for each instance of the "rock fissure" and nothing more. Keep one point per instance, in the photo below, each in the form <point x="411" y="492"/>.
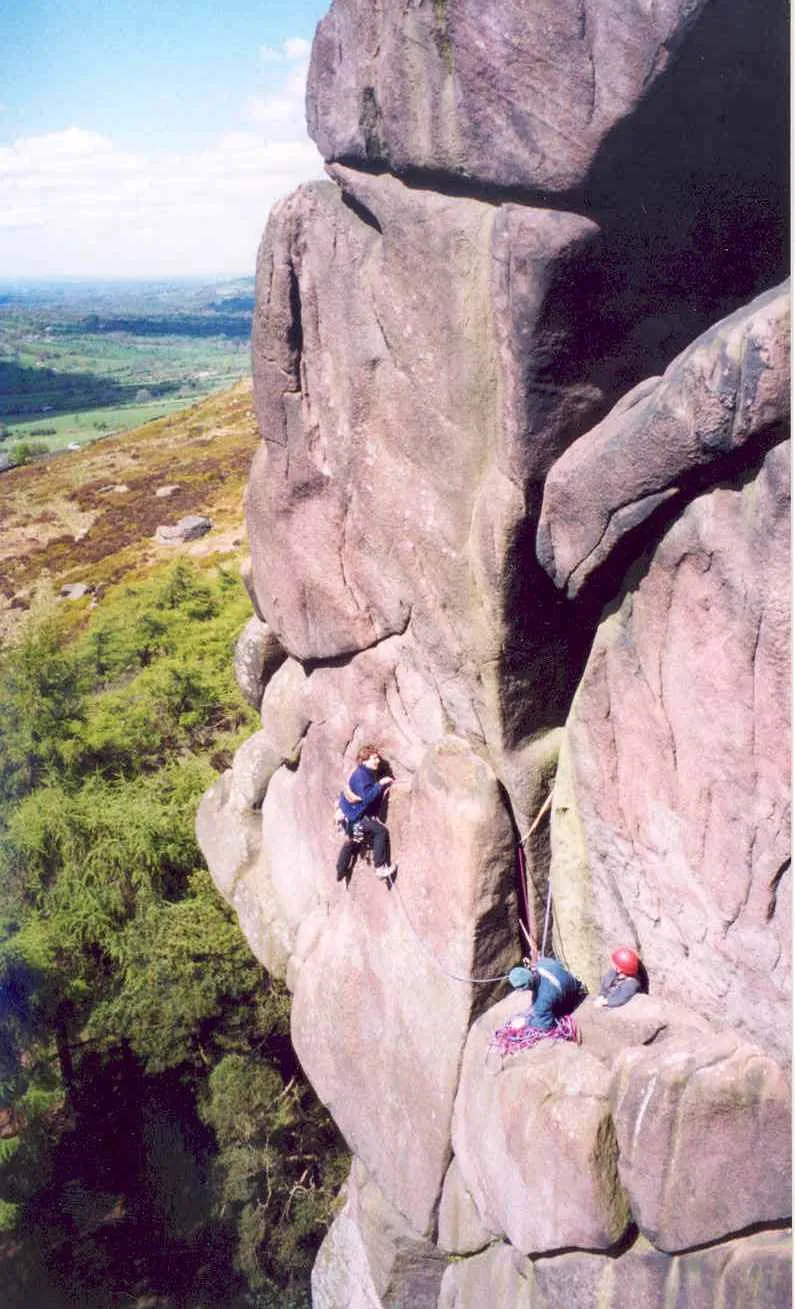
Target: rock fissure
<point x="774" y="885"/>
<point x="534" y="208"/>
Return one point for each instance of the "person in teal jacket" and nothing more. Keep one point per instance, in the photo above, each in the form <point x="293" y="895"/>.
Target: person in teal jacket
<point x="556" y="991"/>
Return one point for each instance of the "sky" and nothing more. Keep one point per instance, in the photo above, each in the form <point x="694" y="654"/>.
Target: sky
<point x="149" y="138"/>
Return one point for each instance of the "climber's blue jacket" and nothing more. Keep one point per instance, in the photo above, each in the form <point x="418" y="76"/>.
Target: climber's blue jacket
<point x="556" y="991"/>
<point x="362" y="783"/>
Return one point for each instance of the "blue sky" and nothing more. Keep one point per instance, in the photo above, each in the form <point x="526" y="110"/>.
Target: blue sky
<point x="148" y="138"/>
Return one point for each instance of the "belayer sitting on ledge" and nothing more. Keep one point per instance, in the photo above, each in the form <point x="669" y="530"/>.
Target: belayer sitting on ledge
<point x="626" y="978"/>
<point x="556" y="994"/>
<point x="359" y="804"/>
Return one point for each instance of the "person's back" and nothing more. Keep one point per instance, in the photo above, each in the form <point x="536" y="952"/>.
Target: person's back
<point x="556" y="991"/>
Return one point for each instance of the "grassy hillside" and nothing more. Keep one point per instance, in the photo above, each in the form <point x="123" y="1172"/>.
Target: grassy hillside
<point x="90" y="515"/>
<point x="158" y="1143"/>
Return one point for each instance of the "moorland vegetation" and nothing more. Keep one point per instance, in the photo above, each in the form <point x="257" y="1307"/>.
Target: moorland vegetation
<point x="157" y="1137"/>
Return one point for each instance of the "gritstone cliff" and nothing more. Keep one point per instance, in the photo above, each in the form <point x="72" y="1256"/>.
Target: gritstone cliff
<point x="520" y="515"/>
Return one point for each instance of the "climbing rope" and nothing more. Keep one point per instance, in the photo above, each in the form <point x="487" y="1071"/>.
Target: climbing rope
<point x="503" y="977"/>
<point x="456" y="977"/>
<point x="537" y="819"/>
<point x="522" y="841"/>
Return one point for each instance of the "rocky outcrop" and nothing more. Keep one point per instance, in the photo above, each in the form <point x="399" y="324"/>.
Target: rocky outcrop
<point x="738" y="1273"/>
<point x="257" y="656"/>
<point x="672" y="801"/>
<point x="385" y="990"/>
<point x="520" y="517"/>
<point x="372" y="1258"/>
<point x="716" y="1111"/>
<point x="536" y="1144"/>
<point x="729" y="391"/>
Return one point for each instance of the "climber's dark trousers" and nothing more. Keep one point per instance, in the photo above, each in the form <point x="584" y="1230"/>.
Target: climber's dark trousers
<point x="380" y="838"/>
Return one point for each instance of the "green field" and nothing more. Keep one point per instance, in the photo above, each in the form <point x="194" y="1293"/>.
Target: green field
<point x="78" y="362"/>
<point x="88" y="425"/>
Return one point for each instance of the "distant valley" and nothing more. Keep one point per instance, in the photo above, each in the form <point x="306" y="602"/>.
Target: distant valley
<point x="83" y="360"/>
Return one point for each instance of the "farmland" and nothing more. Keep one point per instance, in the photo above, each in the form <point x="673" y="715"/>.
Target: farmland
<point x="79" y="361"/>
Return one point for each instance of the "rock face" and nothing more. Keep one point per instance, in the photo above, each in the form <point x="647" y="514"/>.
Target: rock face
<point x="536" y="1144"/>
<point x="728" y="391"/>
<point x="672" y="803"/>
<point x="716" y="1114"/>
<point x="520" y="518"/>
<point x="371" y="1258"/>
<point x="385" y="988"/>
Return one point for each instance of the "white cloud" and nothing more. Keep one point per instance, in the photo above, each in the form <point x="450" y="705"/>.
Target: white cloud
<point x="297" y="48"/>
<point x="280" y="108"/>
<point x="294" y="48"/>
<point x="74" y="203"/>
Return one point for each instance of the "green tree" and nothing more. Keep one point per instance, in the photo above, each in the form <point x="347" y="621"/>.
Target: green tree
<point x="120" y="966"/>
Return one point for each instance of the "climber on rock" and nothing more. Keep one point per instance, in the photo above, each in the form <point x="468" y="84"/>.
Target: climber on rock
<point x="556" y="994"/>
<point x="358" y="806"/>
<point x="556" y="991"/>
<point x="626" y="978"/>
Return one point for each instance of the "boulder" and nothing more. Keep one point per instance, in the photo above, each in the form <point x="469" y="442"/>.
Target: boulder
<point x="704" y="1138"/>
<point x="285" y="711"/>
<point x="499" y="1276"/>
<point x="671" y="818"/>
<point x="645" y="1020"/>
<point x="535" y="1142"/>
<point x="189" y="528"/>
<point x="755" y="1270"/>
<point x="370" y="1258"/>
<point x="500" y="95"/>
<point x="257" y="656"/>
<point x="228" y="833"/>
<point x="253" y="766"/>
<point x="385" y="991"/>
<point x="640" y="1276"/>
<point x="723" y="394"/>
<point x="460" y="1230"/>
<point x="667" y="125"/>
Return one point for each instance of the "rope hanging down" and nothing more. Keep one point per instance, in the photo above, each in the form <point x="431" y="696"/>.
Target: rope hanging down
<point x="526" y="837"/>
<point x="456" y="977"/>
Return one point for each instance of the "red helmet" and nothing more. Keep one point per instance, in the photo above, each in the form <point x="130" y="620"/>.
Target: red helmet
<point x="626" y="961"/>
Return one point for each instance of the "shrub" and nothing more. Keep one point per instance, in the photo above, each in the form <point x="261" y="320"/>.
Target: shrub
<point x="23" y="452"/>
